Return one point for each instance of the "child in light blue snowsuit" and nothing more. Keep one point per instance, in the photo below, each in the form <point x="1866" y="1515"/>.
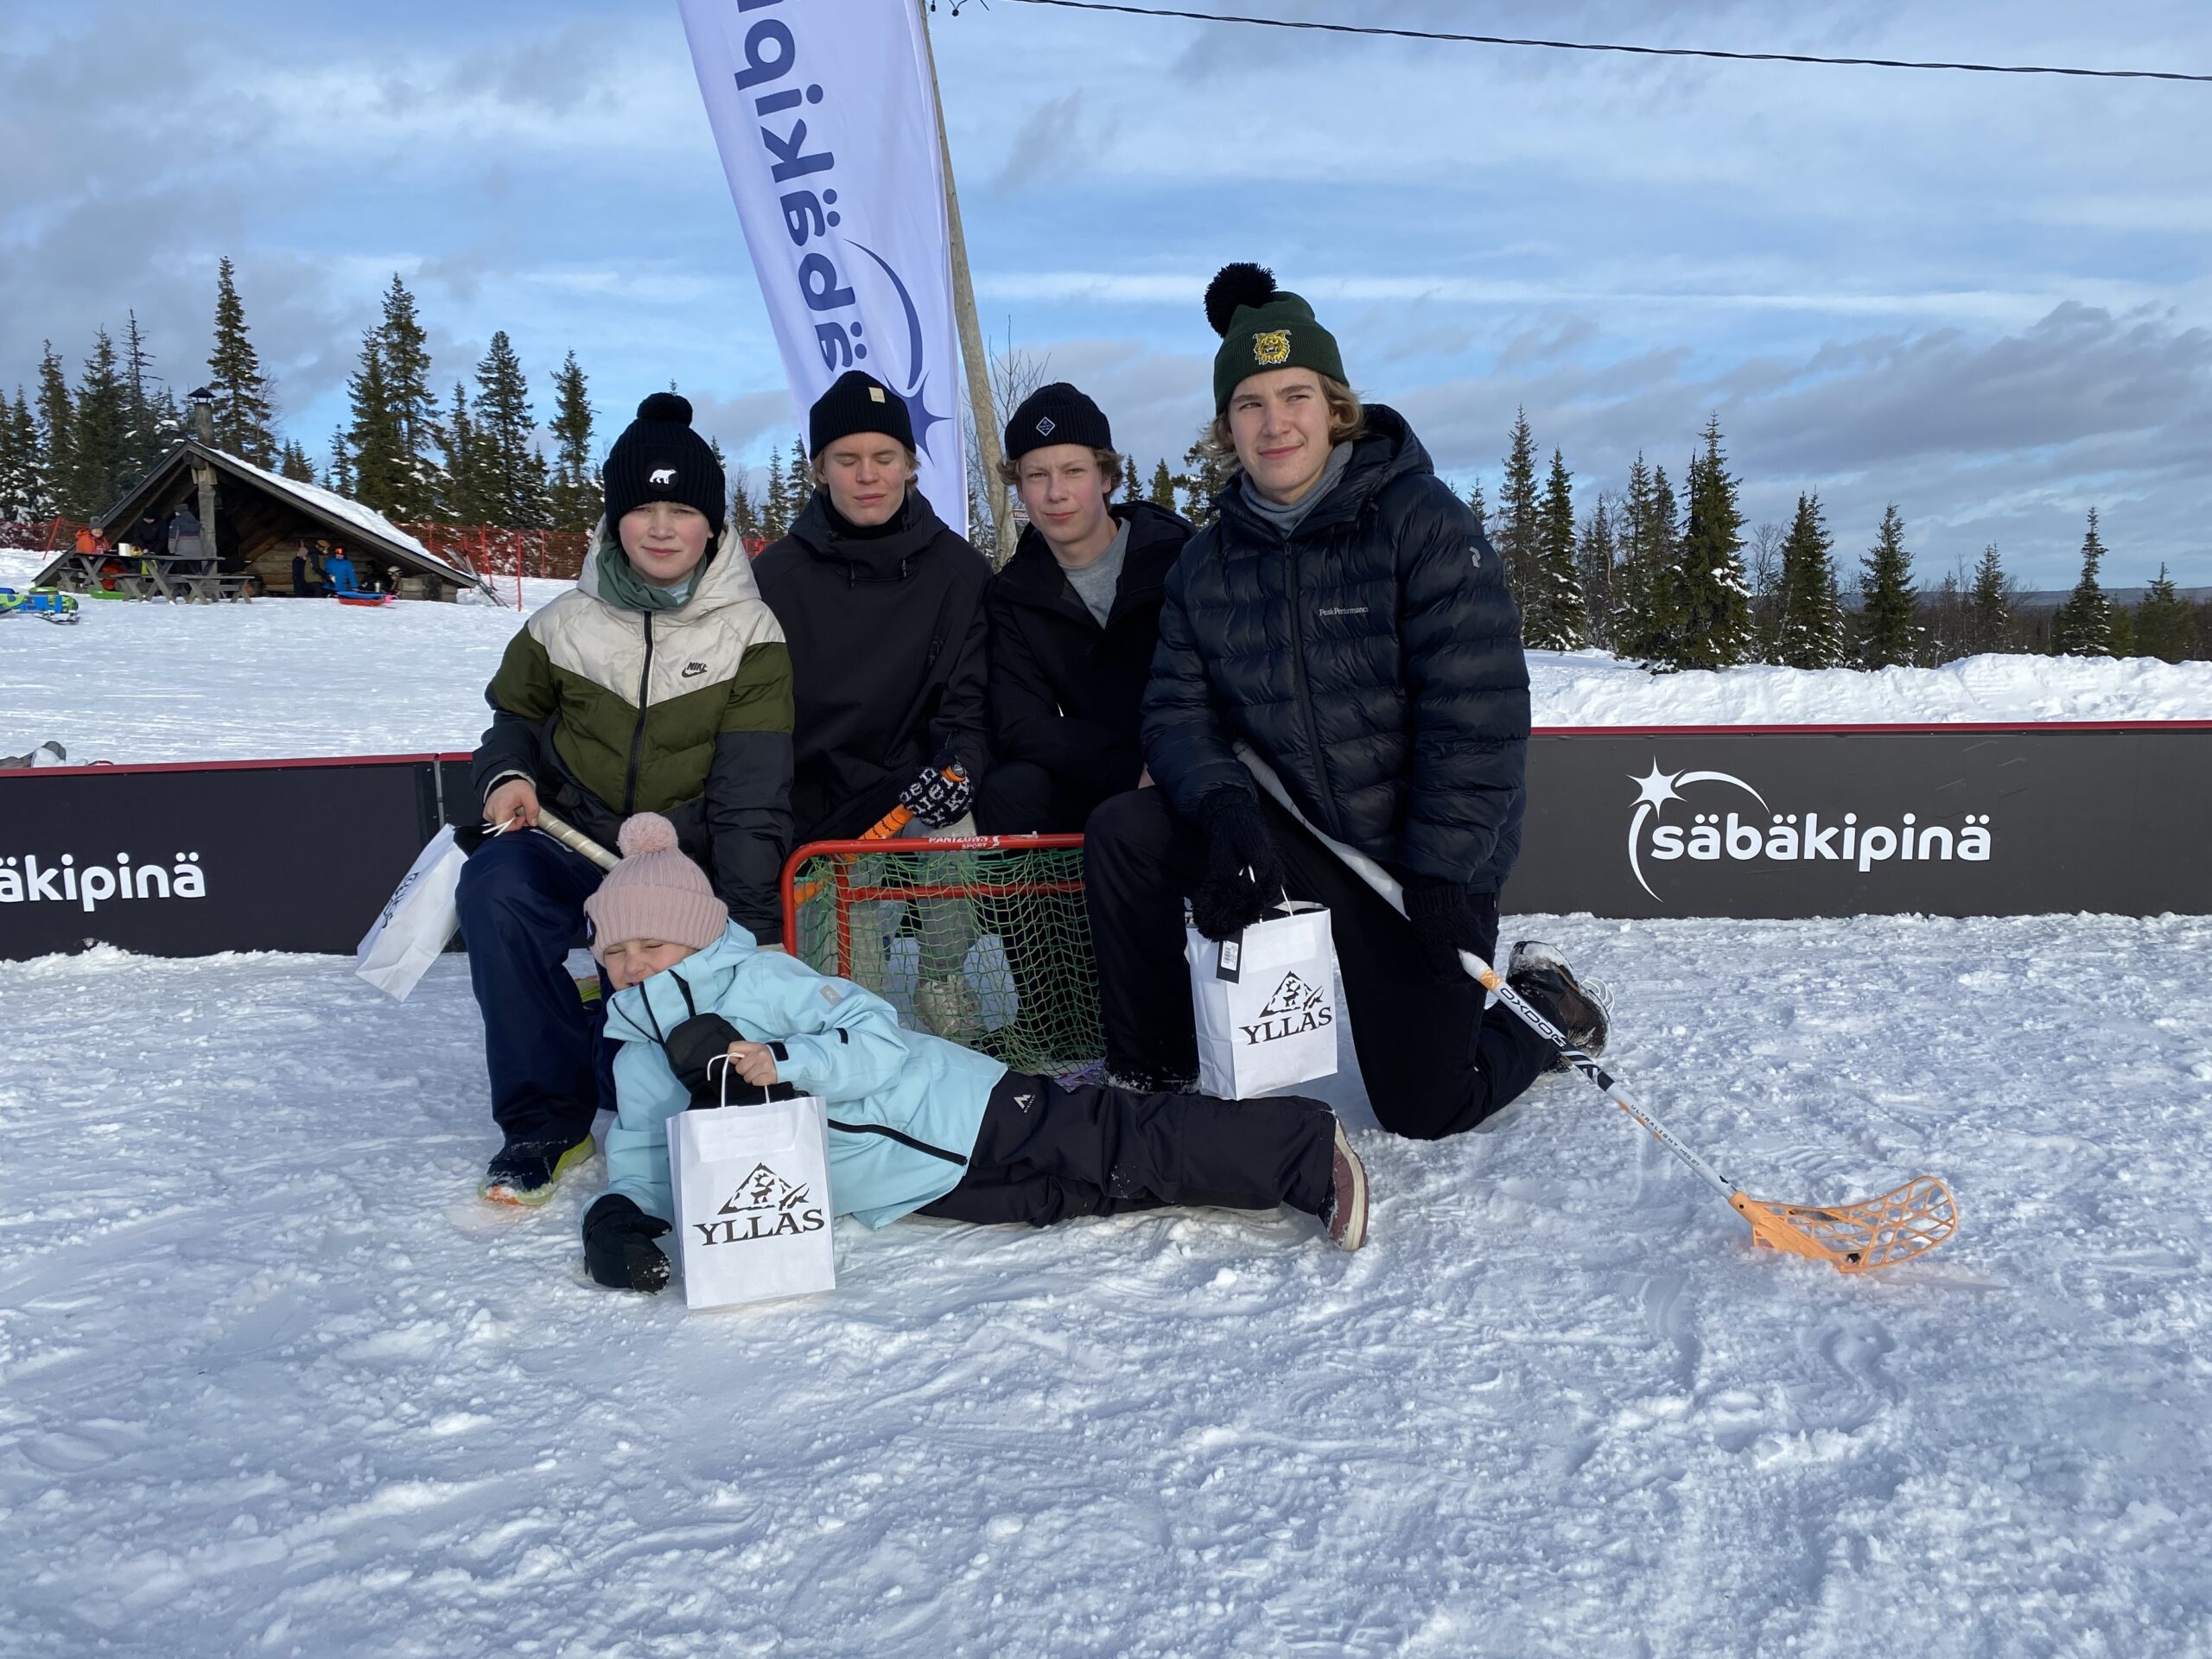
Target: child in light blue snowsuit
<point x="916" y="1124"/>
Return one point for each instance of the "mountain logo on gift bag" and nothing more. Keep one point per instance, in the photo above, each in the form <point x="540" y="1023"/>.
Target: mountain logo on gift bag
<point x="1295" y="1006"/>
<point x="765" y="1205"/>
<point x="763" y="1190"/>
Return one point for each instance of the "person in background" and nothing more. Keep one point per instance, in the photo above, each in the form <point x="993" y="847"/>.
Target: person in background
<point x="340" y="569"/>
<point x="184" y="543"/>
<point x="1075" y="617"/>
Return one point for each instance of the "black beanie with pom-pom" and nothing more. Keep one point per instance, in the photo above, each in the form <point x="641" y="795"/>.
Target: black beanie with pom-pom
<point x="659" y="458"/>
<point x="1262" y="327"/>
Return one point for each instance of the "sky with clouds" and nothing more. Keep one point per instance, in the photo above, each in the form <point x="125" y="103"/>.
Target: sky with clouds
<point x="1984" y="298"/>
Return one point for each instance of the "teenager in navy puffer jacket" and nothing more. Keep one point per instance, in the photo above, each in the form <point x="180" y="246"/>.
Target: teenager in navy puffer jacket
<point x="1345" y="617"/>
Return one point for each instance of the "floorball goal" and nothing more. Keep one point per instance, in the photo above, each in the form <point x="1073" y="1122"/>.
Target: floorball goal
<point x="981" y="939"/>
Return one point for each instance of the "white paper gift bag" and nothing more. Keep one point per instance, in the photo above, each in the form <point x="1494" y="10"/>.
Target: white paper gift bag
<point x="416" y="921"/>
<point x="752" y="1191"/>
<point x="1265" y="1003"/>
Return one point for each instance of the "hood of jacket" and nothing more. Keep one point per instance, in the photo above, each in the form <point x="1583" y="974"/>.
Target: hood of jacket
<point x="723" y="578"/>
<point x="1033" y="576"/>
<point x="1388" y="452"/>
<point x="888" y="558"/>
<point x="655" y="1006"/>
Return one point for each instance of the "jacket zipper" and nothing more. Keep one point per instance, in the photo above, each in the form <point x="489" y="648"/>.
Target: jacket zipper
<point x="1323" y="798"/>
<point x="638" y="732"/>
<point x="953" y="1158"/>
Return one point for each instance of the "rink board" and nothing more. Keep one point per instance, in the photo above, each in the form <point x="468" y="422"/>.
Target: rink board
<point x="1697" y="822"/>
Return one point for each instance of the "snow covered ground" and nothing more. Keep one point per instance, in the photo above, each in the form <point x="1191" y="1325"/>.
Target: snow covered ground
<point x="272" y="1381"/>
<point x="283" y="678"/>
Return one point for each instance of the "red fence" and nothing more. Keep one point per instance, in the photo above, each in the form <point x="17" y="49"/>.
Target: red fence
<point x="492" y="552"/>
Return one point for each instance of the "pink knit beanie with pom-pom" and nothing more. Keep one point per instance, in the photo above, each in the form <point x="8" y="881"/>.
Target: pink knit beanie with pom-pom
<point x="655" y="892"/>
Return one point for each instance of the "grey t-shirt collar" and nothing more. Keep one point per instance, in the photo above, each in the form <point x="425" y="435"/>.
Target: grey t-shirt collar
<point x="1288" y="518"/>
<point x="1098" y="581"/>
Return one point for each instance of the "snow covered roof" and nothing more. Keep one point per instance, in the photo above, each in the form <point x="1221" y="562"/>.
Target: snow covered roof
<point x="360" y="526"/>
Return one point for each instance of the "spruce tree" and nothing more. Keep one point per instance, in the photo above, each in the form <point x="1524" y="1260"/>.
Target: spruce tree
<point x="744" y="514"/>
<point x="1518" y="511"/>
<point x="419" y="480"/>
<point x="2123" y="631"/>
<point x="2163" y="627"/>
<point x="100" y="463"/>
<point x="1812" y="633"/>
<point x="798" y="480"/>
<point x="292" y="462"/>
<point x="1712" y="602"/>
<point x="1479" y="504"/>
<point x="577" y="502"/>
<point x="464" y="502"/>
<point x="776" y="500"/>
<point x="1162" y="493"/>
<point x="375" y="463"/>
<point x="511" y="474"/>
<point x="2083" y="624"/>
<point x="1202" y="482"/>
<point x="339" y="475"/>
<point x="1654" y="626"/>
<point x="1889" y="629"/>
<point x="19" y="465"/>
<point x="1989" y="604"/>
<point x="1630" y="623"/>
<point x="57" y="427"/>
<point x="1553" y="614"/>
<point x="1596" y="556"/>
<point x="147" y="428"/>
<point x="242" y="408"/>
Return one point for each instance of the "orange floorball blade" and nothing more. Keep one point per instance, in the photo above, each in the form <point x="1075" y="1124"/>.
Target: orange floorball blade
<point x="1857" y="1237"/>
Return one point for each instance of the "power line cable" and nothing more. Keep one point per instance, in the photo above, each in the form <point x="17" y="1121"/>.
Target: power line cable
<point x="1609" y="46"/>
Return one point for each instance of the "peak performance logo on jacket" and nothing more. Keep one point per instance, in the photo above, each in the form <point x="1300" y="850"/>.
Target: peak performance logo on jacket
<point x="765" y="1205"/>
<point x="1786" y="837"/>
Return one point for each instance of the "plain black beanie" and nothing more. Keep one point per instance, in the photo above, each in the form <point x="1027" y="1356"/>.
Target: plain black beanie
<point x="857" y="402"/>
<point x="659" y="458"/>
<point x="1056" y="414"/>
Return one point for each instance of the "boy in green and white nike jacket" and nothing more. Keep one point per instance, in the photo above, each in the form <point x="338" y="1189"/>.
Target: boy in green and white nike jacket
<point x="916" y="1124"/>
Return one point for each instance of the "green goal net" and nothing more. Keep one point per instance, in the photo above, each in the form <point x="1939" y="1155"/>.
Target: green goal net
<point x="983" y="941"/>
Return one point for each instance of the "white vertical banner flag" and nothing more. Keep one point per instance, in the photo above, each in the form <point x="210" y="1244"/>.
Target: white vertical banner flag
<point x="827" y="123"/>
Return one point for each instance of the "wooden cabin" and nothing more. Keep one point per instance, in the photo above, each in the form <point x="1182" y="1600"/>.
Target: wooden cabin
<point x="270" y="518"/>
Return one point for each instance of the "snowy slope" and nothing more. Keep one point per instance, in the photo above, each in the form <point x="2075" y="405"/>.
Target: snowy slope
<point x="285" y="678"/>
<point x="272" y="1383"/>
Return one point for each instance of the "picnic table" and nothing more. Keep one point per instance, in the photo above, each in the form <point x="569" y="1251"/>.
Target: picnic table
<point x="151" y="575"/>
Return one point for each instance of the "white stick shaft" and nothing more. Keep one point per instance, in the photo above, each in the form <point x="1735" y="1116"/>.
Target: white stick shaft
<point x="575" y="840"/>
<point x="1387" y="885"/>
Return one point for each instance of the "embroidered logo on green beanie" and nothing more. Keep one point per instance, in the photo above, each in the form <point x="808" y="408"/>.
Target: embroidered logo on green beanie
<point x="1262" y="327"/>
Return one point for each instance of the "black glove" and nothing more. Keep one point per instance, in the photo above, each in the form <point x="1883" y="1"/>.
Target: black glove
<point x="1448" y="918"/>
<point x="1244" y="872"/>
<point x="941" y="794"/>
<point x="619" y="1249"/>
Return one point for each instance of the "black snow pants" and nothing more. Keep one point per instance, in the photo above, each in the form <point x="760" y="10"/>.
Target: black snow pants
<point x="1047" y="1152"/>
<point x="1433" y="1063"/>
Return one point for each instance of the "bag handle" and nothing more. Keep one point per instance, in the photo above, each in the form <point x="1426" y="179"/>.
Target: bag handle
<point x="765" y="1094"/>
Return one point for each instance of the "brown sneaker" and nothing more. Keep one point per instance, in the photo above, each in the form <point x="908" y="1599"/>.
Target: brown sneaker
<point x="1346" y="1216"/>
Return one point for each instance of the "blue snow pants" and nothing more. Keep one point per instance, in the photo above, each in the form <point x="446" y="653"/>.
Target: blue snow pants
<point x="522" y="901"/>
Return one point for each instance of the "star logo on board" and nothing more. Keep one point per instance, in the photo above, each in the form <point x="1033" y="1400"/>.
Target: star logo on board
<point x="1653" y="791"/>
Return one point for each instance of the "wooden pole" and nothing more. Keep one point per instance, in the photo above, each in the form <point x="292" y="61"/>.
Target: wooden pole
<point x="980" y="408"/>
